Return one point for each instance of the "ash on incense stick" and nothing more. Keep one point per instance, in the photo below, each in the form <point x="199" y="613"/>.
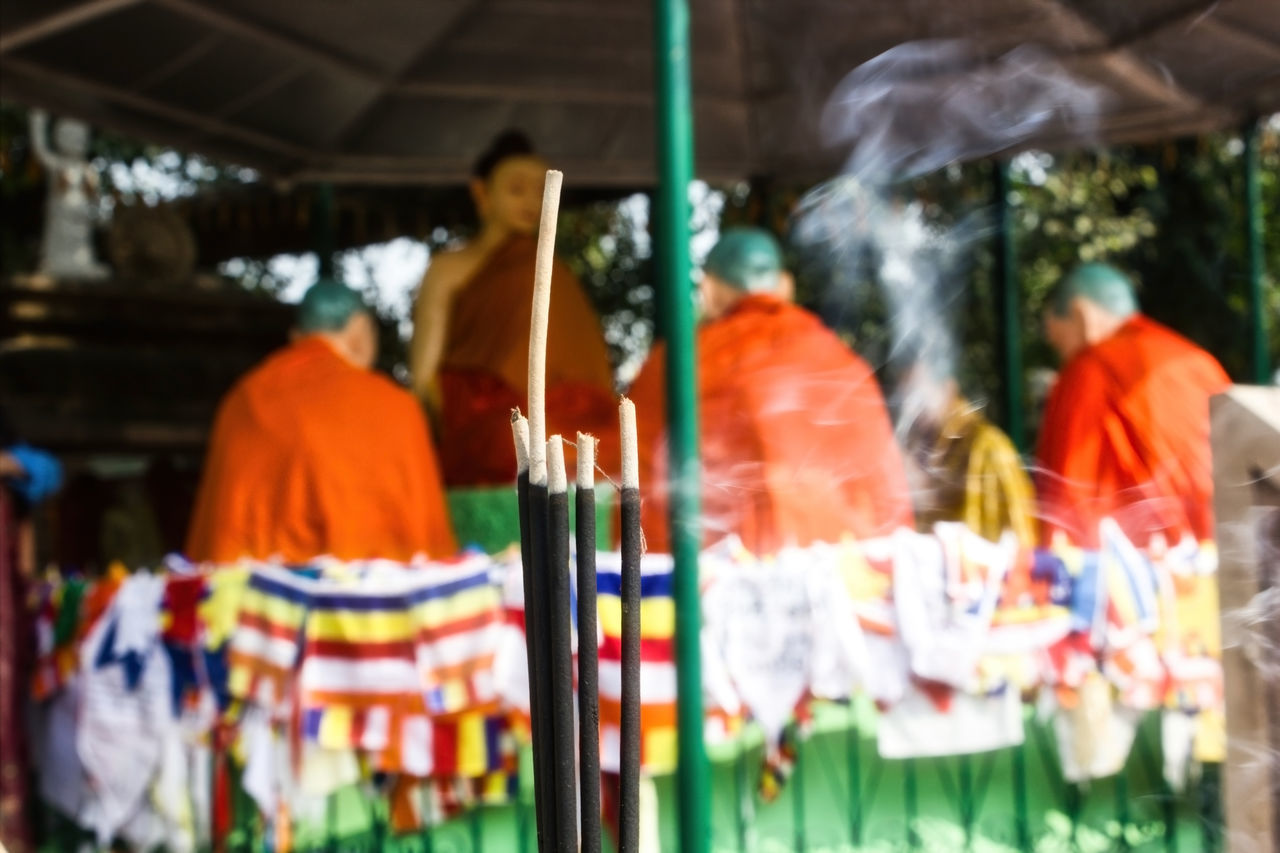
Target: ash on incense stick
<point x="561" y="636"/>
<point x="629" y="763"/>
<point x="535" y="657"/>
<point x="588" y="651"/>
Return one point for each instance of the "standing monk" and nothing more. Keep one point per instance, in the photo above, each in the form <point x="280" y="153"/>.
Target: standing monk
<point x="470" y="349"/>
<point x="1126" y="428"/>
<point x="314" y="454"/>
<point x="796" y="442"/>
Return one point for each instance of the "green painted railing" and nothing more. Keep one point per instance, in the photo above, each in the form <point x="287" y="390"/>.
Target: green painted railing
<point x="841" y="796"/>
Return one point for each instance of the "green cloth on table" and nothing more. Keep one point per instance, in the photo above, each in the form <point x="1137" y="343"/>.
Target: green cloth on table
<point x="489" y="519"/>
<point x="64" y="629"/>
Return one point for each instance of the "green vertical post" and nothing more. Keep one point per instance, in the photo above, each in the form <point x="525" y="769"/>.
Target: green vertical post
<point x="1009" y="321"/>
<point x="476" y="827"/>
<point x="798" y="810"/>
<point x="1170" y="811"/>
<point x="1211" y="808"/>
<point x="330" y="823"/>
<point x="377" y="825"/>
<point x="1122" y="808"/>
<point x="1021" y="819"/>
<point x="674" y="121"/>
<point x="910" y="803"/>
<point x="968" y="798"/>
<point x="1260" y="361"/>
<point x="855" y="776"/>
<point x="1075" y="810"/>
<point x="322" y="229"/>
<point x="522" y="824"/>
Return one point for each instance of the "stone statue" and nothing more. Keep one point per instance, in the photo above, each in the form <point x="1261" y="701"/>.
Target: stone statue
<point x="71" y="210"/>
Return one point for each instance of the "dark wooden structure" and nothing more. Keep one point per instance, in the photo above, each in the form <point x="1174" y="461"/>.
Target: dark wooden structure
<point x="108" y="367"/>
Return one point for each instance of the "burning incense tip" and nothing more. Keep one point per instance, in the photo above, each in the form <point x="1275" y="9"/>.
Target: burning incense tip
<point x="630" y="444"/>
<point x="586" y="461"/>
<point x="557" y="481"/>
<point x="520" y="432"/>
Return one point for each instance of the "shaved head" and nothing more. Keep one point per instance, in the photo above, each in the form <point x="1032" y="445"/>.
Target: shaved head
<point x="746" y="258"/>
<point x="1101" y="284"/>
<point x="1088" y="306"/>
<point x="338" y="314"/>
<point x="744" y="261"/>
<point x="328" y="306"/>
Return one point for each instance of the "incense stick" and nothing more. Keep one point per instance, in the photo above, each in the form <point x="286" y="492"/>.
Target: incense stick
<point x="561" y="704"/>
<point x="541" y="766"/>
<point x="588" y="649"/>
<point x="537" y="596"/>
<point x="629" y="760"/>
<point x="537" y="610"/>
<point x="538" y="327"/>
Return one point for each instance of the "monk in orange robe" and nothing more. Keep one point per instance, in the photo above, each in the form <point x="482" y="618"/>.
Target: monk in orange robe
<point x="470" y="350"/>
<point x="1126" y="428"/>
<point x="314" y="454"/>
<point x="796" y="443"/>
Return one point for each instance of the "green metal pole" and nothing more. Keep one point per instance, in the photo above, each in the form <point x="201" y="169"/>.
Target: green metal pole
<point x="968" y="810"/>
<point x="1261" y="360"/>
<point x="477" y="830"/>
<point x="798" y="810"/>
<point x="1075" y="809"/>
<point x="522" y="824"/>
<point x="330" y="822"/>
<point x="910" y="802"/>
<point x="1021" y="820"/>
<point x="674" y="120"/>
<point x="855" y="776"/>
<point x="1007" y="307"/>
<point x="322" y="229"/>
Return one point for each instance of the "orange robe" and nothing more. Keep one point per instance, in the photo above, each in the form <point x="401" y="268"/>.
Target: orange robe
<point x="796" y="443"/>
<point x="1126" y="435"/>
<point x="485" y="368"/>
<point x="312" y="456"/>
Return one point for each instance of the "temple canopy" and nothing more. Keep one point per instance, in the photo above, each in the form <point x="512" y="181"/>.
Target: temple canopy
<point x="392" y="91"/>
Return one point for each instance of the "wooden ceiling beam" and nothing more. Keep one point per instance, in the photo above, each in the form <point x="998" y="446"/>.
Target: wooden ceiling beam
<point x="191" y="55"/>
<point x="237" y="26"/>
<point x="549" y="94"/>
<point x="343" y="131"/>
<point x="155" y="108"/>
<point x="52" y="25"/>
<point x="1116" y="57"/>
<point x="1246" y="37"/>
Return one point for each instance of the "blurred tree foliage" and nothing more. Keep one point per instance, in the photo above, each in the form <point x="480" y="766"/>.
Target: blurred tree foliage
<point x="609" y="249"/>
<point x="1171" y="214"/>
<point x="609" y="246"/>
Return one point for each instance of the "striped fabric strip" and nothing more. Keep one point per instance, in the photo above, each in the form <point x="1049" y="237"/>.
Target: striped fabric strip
<point x="657" y="667"/>
<point x="458" y="637"/>
<point x="265" y="643"/>
<point x="396" y="657"/>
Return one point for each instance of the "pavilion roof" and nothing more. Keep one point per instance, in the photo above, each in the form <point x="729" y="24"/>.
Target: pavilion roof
<point x="401" y="91"/>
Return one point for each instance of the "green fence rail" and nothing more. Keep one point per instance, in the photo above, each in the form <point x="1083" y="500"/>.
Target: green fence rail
<point x="841" y="796"/>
